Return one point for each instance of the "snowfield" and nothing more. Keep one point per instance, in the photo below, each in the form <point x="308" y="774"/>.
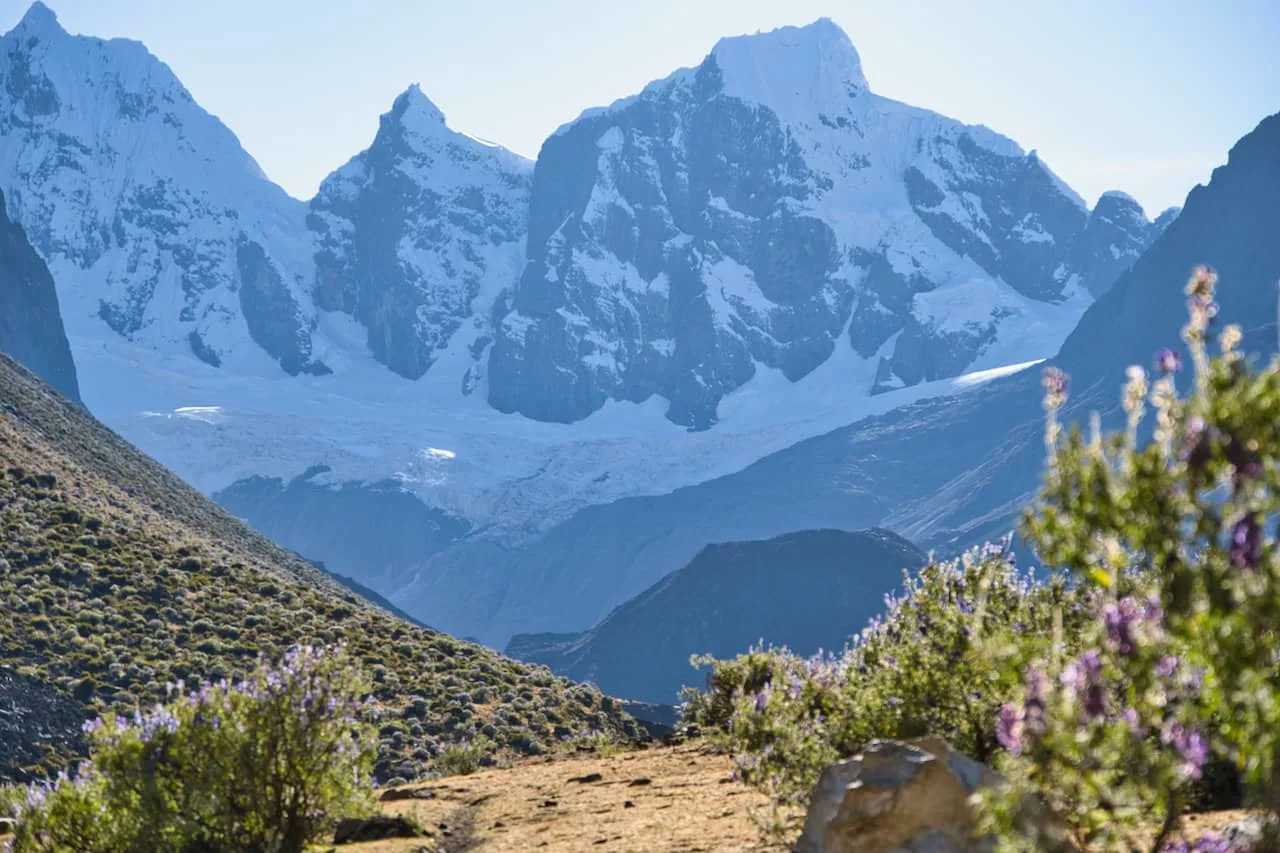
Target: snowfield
<point x="508" y="473"/>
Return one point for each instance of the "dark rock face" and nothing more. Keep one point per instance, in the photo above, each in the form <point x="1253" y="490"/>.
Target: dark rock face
<point x="273" y="316"/>
<point x="808" y="591"/>
<point x="684" y="220"/>
<point x="39" y="727"/>
<point x="682" y="239"/>
<point x="409" y="231"/>
<point x="30" y="324"/>
<point x="1027" y="217"/>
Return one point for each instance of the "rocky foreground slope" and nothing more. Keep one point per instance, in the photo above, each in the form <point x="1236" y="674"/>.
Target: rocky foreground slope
<point x="117" y="579"/>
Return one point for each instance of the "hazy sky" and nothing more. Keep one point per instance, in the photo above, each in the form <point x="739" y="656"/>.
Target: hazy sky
<point x="1141" y="96"/>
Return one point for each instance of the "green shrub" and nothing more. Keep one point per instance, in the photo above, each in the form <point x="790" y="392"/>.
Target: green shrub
<point x="266" y="764"/>
<point x="1180" y="660"/>
<point x="464" y="758"/>
<point x="924" y="667"/>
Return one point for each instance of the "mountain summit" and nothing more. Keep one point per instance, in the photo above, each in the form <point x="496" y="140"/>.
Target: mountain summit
<point x="766" y="212"/>
<point x="794" y="70"/>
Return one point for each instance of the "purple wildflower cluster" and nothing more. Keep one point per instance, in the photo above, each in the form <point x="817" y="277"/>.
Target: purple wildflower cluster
<point x="1128" y="624"/>
<point x="1056" y="386"/>
<point x="1210" y="842"/>
<point x="1126" y="619"/>
<point x="301" y="680"/>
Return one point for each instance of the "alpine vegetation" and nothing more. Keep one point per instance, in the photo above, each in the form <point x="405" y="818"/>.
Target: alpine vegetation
<point x="268" y="763"/>
<point x="1117" y="691"/>
<point x="1178" y="664"/>
<point x="922" y="668"/>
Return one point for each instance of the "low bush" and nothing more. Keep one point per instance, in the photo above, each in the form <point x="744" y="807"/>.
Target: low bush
<point x="264" y="765"/>
<point x="924" y="667"/>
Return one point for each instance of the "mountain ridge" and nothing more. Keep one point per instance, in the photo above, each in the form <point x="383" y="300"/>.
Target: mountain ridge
<point x="364" y="334"/>
<point x="801" y="590"/>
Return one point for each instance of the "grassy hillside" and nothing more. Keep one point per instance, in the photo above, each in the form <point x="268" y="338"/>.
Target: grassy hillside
<point x="116" y="579"/>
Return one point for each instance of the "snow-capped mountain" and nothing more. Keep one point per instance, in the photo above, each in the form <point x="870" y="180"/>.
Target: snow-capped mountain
<point x="764" y="211"/>
<point x="417" y="236"/>
<point x="744" y="255"/>
<point x="159" y="228"/>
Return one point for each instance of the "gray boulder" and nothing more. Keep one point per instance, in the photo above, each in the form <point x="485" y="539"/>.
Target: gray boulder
<point x="897" y="796"/>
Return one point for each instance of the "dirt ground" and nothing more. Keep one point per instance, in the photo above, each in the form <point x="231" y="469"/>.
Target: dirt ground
<point x="659" y="800"/>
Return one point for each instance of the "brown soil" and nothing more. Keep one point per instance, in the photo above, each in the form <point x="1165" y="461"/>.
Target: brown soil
<point x="688" y="803"/>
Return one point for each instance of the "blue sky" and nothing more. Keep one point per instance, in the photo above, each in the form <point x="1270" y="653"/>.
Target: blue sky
<point x="1141" y="96"/>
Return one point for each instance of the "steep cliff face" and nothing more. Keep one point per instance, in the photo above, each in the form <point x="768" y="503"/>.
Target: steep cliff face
<point x="164" y="230"/>
<point x="766" y="209"/>
<point x="30" y="324"/>
<point x="417" y="234"/>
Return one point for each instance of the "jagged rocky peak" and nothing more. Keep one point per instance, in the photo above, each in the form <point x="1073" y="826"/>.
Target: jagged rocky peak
<point x="157" y="224"/>
<point x="1116" y="233"/>
<point x="1166" y="217"/>
<point x="417" y="234"/>
<point x="1121" y="209"/>
<point x="766" y="211"/>
<point x="415" y="111"/>
<point x="39" y="20"/>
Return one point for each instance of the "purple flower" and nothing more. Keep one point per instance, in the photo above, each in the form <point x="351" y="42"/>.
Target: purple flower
<point x="1168" y="362"/>
<point x="1036" y="699"/>
<point x="1210" y="842"/>
<point x="1191" y="746"/>
<point x="1056" y="385"/>
<point x="1130" y="716"/>
<point x="1195" y="446"/>
<point x="1246" y="542"/>
<point x="1009" y="725"/>
<point x="1167" y="666"/>
<point x="1119" y="617"/>
<point x="1083" y="679"/>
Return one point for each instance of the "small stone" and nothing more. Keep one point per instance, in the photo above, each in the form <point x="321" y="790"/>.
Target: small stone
<point x="587" y="779"/>
<point x="636" y="783"/>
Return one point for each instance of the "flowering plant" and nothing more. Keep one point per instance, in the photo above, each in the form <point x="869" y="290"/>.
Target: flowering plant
<point x="1180" y="663"/>
<point x="923" y="667"/>
<point x="263" y="764"/>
